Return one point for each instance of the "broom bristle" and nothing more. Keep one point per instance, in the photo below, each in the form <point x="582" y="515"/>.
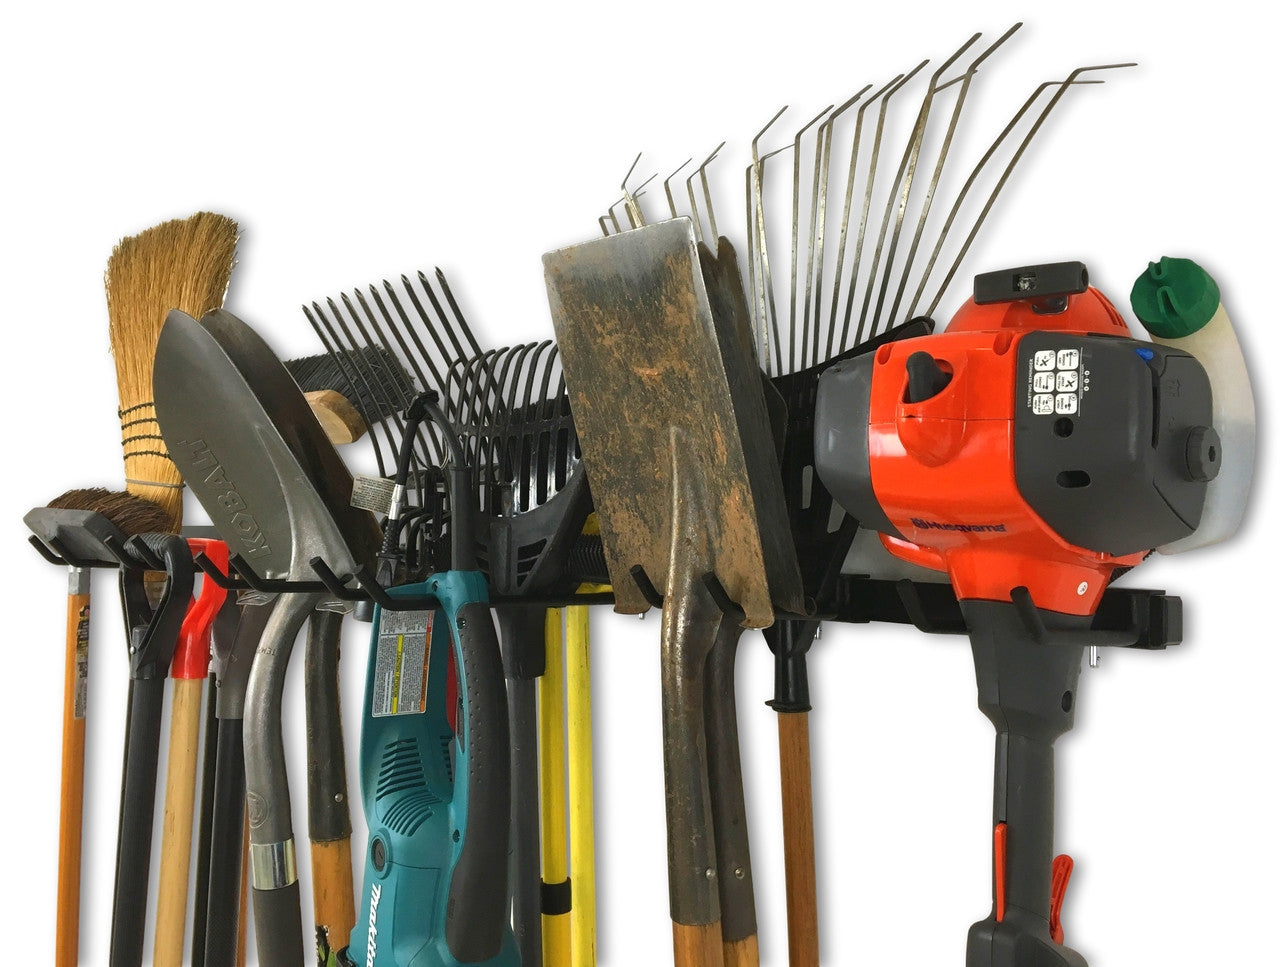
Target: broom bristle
<point x="181" y="264"/>
<point x="130" y="513"/>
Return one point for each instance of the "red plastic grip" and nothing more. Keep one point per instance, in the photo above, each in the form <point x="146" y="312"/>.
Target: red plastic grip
<point x="191" y="656"/>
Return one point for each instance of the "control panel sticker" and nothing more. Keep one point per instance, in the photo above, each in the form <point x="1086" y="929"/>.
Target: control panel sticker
<point x="1057" y="382"/>
<point x="400" y="666"/>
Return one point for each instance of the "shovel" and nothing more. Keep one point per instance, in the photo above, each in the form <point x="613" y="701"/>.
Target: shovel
<point x="675" y="437"/>
<point x="246" y="441"/>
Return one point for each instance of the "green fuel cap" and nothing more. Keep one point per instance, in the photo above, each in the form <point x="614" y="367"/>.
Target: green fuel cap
<point x="1174" y="298"/>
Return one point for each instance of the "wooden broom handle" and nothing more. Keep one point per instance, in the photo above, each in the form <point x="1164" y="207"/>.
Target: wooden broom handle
<point x="797" y="832"/>
<point x="71" y="812"/>
<point x="179" y="811"/>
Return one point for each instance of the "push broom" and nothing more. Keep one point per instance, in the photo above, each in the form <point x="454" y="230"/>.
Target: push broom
<point x="183" y="264"/>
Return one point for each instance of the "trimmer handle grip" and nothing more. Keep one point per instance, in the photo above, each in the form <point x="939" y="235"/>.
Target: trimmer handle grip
<point x="1028" y="691"/>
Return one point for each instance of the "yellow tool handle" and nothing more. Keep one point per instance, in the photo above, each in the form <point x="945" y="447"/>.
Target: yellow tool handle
<point x="179" y="814"/>
<point x="582" y="833"/>
<point x="551" y="769"/>
<point x="797" y="834"/>
<point x="71" y="812"/>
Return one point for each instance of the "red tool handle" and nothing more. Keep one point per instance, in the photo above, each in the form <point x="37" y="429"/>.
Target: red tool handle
<point x="191" y="657"/>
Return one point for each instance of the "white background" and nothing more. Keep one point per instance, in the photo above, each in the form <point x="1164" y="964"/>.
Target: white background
<point x="355" y="142"/>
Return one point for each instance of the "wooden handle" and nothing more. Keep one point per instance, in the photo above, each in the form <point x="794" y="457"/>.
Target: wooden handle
<point x="341" y="422"/>
<point x="742" y="953"/>
<point x="797" y="833"/>
<point x="179" y="811"/>
<point x="71" y="812"/>
<point x="697" y="946"/>
<point x="333" y="901"/>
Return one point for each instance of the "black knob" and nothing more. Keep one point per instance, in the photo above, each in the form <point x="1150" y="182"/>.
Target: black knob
<point x="925" y="378"/>
<point x="1204" y="453"/>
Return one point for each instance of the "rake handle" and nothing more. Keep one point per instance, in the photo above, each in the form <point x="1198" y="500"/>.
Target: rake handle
<point x="71" y="809"/>
<point x="797" y="834"/>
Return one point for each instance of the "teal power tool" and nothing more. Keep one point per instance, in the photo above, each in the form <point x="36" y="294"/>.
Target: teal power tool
<point x="437" y="803"/>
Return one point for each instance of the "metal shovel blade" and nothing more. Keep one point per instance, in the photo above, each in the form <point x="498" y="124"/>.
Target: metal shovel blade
<point x="651" y="332"/>
<point x="248" y="445"/>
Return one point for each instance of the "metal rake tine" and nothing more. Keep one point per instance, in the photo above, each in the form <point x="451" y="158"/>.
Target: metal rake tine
<point x="447" y="291"/>
<point x="1004" y="177"/>
<point x="431" y="325"/>
<point x="432" y="430"/>
<point x="464" y="346"/>
<point x="969" y="182"/>
<point x="603" y="228"/>
<point x="331" y="346"/>
<point x="866" y="201"/>
<point x="818" y="227"/>
<point x="634" y="215"/>
<point x="904" y="179"/>
<point x="666" y="187"/>
<point x="854" y="151"/>
<point x="706" y="189"/>
<point x="401" y="341"/>
<point x="965" y="81"/>
<point x="613" y="216"/>
<point x="414" y="444"/>
<point x="795" y="235"/>
<point x="764" y="301"/>
<point x="635" y="201"/>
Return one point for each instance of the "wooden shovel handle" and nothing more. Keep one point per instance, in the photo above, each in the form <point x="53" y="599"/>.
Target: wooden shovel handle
<point x="797" y="832"/>
<point x="179" y="812"/>
<point x="71" y="812"/>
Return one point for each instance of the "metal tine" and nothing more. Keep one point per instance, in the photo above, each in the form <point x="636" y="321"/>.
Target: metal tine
<point x="410" y="330"/>
<point x="332" y="345"/>
<point x="369" y="379"/>
<point x="795" y="235"/>
<point x="866" y="201"/>
<point x="471" y="347"/>
<point x="447" y="291"/>
<point x="533" y="496"/>
<point x="505" y="439"/>
<point x="545" y="430"/>
<point x="706" y="194"/>
<point x="818" y="225"/>
<point x="634" y="215"/>
<point x="637" y="195"/>
<point x="613" y="216"/>
<point x="432" y="430"/>
<point x="965" y="83"/>
<point x="766" y="273"/>
<point x="766" y="316"/>
<point x="854" y="151"/>
<point x="1035" y="127"/>
<point x="393" y="402"/>
<point x="474" y="402"/>
<point x="666" y="187"/>
<point x="904" y="178"/>
<point x="604" y="229"/>
<point x="973" y="176"/>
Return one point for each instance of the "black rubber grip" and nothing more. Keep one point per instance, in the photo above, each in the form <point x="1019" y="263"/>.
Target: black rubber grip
<point x="277" y="924"/>
<point x="557" y="898"/>
<point x="477" y="909"/>
<point x="328" y="813"/>
<point x="221" y="938"/>
<point x="137" y="810"/>
<point x="1028" y="691"/>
